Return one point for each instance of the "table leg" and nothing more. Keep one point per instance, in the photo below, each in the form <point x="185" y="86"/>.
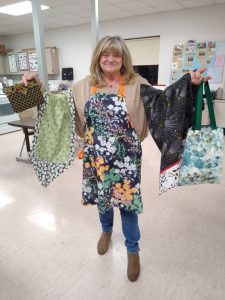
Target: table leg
<point x="20" y="158"/>
<point x="25" y="160"/>
<point x="25" y="131"/>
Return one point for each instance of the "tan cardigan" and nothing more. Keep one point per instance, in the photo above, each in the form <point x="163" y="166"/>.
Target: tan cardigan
<point x="81" y="92"/>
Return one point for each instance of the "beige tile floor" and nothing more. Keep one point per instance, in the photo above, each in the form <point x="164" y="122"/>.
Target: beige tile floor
<point x="48" y="240"/>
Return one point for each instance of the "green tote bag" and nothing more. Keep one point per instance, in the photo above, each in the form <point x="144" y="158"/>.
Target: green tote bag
<point x="201" y="161"/>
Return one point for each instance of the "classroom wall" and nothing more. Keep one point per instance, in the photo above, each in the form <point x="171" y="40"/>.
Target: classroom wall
<point x="2" y="39"/>
<point x="74" y="43"/>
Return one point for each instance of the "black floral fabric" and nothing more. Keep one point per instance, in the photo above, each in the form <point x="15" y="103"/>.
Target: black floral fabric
<point x="169" y="115"/>
<point x="112" y="155"/>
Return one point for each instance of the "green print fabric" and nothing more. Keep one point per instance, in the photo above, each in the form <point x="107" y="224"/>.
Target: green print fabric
<point x="53" y="142"/>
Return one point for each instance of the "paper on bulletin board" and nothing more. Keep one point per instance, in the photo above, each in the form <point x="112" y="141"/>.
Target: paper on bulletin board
<point x="198" y="54"/>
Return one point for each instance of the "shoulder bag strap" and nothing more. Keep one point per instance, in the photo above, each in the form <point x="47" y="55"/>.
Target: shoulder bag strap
<point x="198" y="107"/>
<point x="208" y="96"/>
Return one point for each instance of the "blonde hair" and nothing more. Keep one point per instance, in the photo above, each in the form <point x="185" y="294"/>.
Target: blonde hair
<point x="117" y="45"/>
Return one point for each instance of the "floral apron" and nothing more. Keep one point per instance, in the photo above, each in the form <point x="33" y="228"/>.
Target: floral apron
<point x="112" y="154"/>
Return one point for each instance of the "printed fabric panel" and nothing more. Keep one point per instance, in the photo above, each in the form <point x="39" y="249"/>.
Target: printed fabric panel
<point x="168" y="177"/>
<point x="112" y="156"/>
<point x="169" y="115"/>
<point x="202" y="160"/>
<point x="54" y="144"/>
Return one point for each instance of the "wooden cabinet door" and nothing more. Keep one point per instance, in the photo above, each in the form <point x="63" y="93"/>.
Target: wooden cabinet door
<point x="1" y="66"/>
<point x="52" y="60"/>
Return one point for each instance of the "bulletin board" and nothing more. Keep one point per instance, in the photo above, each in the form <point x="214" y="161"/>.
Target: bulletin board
<point x="198" y="54"/>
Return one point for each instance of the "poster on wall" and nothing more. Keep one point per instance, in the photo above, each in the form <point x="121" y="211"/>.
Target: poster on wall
<point x="199" y="54"/>
<point x="22" y="61"/>
<point x="33" y="65"/>
<point x="12" y="63"/>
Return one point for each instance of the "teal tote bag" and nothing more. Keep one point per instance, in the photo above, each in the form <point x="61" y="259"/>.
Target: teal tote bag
<point x="201" y="161"/>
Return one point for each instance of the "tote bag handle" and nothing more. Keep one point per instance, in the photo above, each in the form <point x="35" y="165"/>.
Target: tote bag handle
<point x="198" y="111"/>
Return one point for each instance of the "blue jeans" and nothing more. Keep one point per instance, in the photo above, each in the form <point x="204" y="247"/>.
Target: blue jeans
<point x="130" y="227"/>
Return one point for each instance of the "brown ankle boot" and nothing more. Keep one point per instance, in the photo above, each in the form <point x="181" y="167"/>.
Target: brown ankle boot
<point x="133" y="266"/>
<point x="103" y="243"/>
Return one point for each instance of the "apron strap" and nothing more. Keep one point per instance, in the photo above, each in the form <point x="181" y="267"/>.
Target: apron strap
<point x="94" y="90"/>
<point x="121" y="88"/>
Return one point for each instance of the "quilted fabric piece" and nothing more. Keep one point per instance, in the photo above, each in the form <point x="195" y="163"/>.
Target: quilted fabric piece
<point x="202" y="158"/>
<point x="169" y="115"/>
<point x="54" y="144"/>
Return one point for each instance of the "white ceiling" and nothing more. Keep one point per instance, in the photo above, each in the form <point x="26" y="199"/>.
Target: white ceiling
<point x="74" y="12"/>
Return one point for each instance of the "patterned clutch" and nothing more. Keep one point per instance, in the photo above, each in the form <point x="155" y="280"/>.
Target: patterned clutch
<point x="24" y="97"/>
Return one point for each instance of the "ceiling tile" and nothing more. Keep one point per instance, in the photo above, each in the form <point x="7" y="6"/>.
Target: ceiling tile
<point x="109" y="9"/>
<point x="114" y="1"/>
<point x="5" y="2"/>
<point x="70" y="8"/>
<point x="195" y="3"/>
<point x="169" y="6"/>
<point x="131" y="5"/>
<point x="155" y="2"/>
<point x="145" y="10"/>
<point x="121" y="14"/>
<point x="74" y="12"/>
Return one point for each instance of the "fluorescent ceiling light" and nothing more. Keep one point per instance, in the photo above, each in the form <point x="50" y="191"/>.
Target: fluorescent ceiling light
<point x="19" y="9"/>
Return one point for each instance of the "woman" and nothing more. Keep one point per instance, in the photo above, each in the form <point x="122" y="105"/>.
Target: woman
<point x="110" y="116"/>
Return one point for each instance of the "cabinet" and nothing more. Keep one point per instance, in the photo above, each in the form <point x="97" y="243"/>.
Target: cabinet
<point x="1" y="65"/>
<point x="52" y="60"/>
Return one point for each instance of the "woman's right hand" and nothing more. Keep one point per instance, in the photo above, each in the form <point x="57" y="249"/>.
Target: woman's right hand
<point x="30" y="76"/>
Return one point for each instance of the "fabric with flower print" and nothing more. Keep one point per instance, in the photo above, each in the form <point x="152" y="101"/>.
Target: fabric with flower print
<point x="202" y="159"/>
<point x="169" y="115"/>
<point x="112" y="155"/>
<point x="55" y="143"/>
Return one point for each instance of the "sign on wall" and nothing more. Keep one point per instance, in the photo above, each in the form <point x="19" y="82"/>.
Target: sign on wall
<point x="198" y="54"/>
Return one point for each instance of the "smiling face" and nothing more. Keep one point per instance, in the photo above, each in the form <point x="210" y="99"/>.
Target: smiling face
<point x="110" y="62"/>
<point x="111" y="58"/>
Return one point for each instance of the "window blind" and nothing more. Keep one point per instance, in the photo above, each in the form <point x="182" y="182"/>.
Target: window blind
<point x="144" y="51"/>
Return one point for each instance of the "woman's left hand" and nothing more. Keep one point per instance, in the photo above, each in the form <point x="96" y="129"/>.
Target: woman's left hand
<point x="196" y="76"/>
